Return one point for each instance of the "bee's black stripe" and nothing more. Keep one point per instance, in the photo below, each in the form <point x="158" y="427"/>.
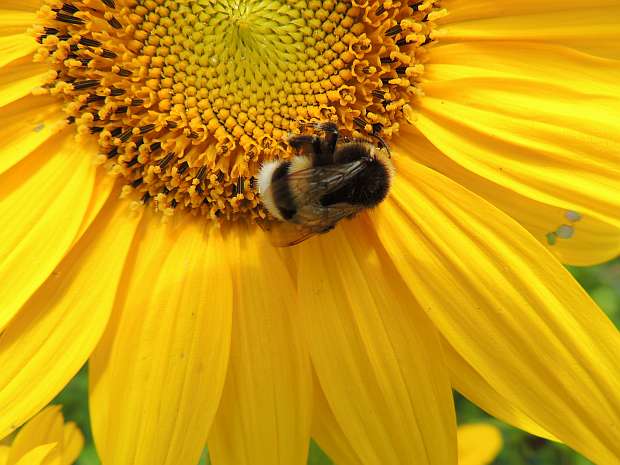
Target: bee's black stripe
<point x="282" y="195"/>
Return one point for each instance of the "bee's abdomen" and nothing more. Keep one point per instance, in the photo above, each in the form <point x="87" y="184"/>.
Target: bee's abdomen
<point x="367" y="189"/>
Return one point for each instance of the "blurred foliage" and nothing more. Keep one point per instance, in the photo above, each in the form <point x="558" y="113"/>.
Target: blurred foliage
<point x="602" y="283"/>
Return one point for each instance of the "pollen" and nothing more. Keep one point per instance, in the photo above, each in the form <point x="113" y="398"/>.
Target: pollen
<point x="187" y="98"/>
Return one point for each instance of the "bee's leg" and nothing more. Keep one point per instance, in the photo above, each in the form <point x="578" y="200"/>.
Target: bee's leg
<point x="324" y="153"/>
<point x="326" y="126"/>
<point x="306" y="144"/>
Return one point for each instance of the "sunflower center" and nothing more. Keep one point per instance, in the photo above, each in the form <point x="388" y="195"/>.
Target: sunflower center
<point x="188" y="97"/>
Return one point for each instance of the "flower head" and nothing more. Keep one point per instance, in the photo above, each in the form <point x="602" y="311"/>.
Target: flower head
<point x="205" y="331"/>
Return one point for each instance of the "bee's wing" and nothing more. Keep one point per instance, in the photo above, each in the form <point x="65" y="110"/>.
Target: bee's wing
<point x="307" y="186"/>
<point x="321" y="220"/>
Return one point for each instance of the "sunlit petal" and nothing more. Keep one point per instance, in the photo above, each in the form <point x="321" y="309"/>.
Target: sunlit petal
<point x="377" y="357"/>
<point x="265" y="410"/>
<point x="507" y="307"/>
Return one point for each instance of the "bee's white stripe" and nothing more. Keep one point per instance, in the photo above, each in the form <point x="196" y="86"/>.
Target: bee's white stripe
<point x="264" y="181"/>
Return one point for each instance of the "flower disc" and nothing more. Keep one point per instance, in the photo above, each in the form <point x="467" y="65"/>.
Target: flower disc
<point x="188" y="98"/>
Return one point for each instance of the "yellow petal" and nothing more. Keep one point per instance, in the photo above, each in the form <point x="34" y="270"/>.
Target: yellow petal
<point x="592" y="241"/>
<point x="265" y="412"/>
<point x="45" y="428"/>
<point x="377" y="356"/>
<point x="41" y="455"/>
<point x="44" y="200"/>
<point x="508" y="308"/>
<point x="328" y="434"/>
<point x="592" y="28"/>
<point x="56" y="330"/>
<point x="551" y="139"/>
<point x="20" y="77"/>
<point x="73" y="443"/>
<point x="22" y="5"/>
<point x="479" y="443"/>
<point x="468" y="382"/>
<point x="103" y="188"/>
<point x="25" y="125"/>
<point x="4" y="454"/>
<point x="15" y="46"/>
<point x="166" y="349"/>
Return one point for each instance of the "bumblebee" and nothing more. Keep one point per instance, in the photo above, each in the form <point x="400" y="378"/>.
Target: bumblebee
<point x="331" y="178"/>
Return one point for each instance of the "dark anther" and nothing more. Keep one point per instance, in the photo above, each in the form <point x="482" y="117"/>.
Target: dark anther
<point x="252" y="182"/>
<point x="116" y="132"/>
<point x="380" y="10"/>
<point x="366" y="69"/>
<point x="240" y="185"/>
<point x="360" y="122"/>
<point x="109" y="3"/>
<point x="147" y="128"/>
<point x="124" y="72"/>
<point x="171" y="124"/>
<point x="220" y="176"/>
<point x="132" y="162"/>
<point x="155" y="146"/>
<point x="139" y="142"/>
<point x="68" y="19"/>
<point x="94" y="98"/>
<point x="112" y="153"/>
<point x="83" y="107"/>
<point x="199" y="189"/>
<point x="380" y="94"/>
<point x="136" y="182"/>
<point x="115" y="23"/>
<point x="415" y="5"/>
<point x="234" y="190"/>
<point x="165" y="190"/>
<point x="401" y="70"/>
<point x="74" y="47"/>
<point x="96" y="116"/>
<point x="146" y="197"/>
<point x="64" y="37"/>
<point x="193" y="135"/>
<point x="121" y="110"/>
<point x="201" y="173"/>
<point x="386" y="80"/>
<point x="71" y="119"/>
<point x="51" y="31"/>
<point x="69" y="8"/>
<point x="164" y="161"/>
<point x="427" y="41"/>
<point x="376" y="128"/>
<point x="126" y="135"/>
<point x="174" y="203"/>
<point x="386" y="60"/>
<point x="89" y="42"/>
<point x="95" y="129"/>
<point x="86" y="84"/>
<point x="85" y="61"/>
<point x="41" y="38"/>
<point x="108" y="54"/>
<point x="115" y="92"/>
<point x="402" y="42"/>
<point x="136" y="102"/>
<point x="394" y="30"/>
<point x="183" y="167"/>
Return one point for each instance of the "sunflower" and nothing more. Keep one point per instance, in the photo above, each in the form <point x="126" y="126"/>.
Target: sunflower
<point x="47" y="439"/>
<point x="129" y="235"/>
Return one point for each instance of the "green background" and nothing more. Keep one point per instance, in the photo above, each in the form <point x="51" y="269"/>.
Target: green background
<point x="602" y="283"/>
